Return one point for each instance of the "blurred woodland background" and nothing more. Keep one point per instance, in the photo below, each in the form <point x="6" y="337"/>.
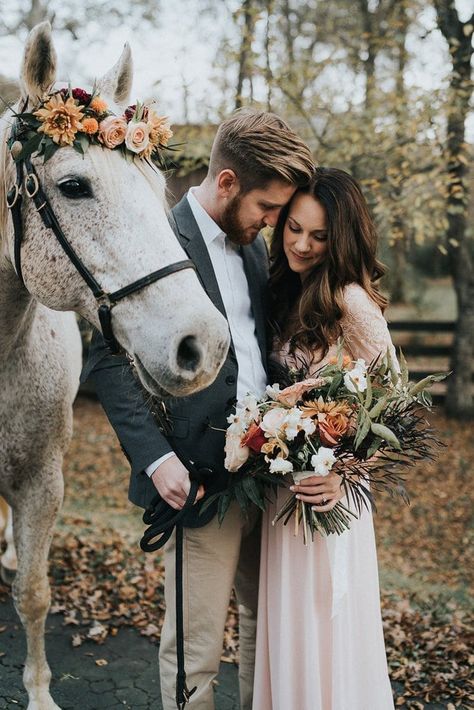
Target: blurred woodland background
<point x="382" y="88"/>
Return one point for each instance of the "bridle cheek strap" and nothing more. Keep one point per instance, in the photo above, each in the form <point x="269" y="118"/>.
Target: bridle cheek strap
<point x="106" y="301"/>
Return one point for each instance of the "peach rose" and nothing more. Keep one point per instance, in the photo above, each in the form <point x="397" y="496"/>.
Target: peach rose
<point x="112" y="131"/>
<point x="331" y="427"/>
<point x="273" y="421"/>
<point x="235" y="454"/>
<point x="291" y="395"/>
<point x="138" y="136"/>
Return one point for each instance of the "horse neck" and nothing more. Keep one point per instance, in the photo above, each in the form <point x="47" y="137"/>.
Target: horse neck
<point x="17" y="310"/>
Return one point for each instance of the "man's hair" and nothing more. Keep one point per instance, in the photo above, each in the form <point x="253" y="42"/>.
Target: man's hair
<point x="259" y="147"/>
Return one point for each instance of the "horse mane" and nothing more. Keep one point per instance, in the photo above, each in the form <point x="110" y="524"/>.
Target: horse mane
<point x="7" y="171"/>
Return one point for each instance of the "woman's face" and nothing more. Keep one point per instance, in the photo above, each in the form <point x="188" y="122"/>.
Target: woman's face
<point x="305" y="234"/>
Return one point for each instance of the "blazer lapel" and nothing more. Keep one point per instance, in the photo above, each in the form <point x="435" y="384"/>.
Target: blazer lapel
<point x="193" y="244"/>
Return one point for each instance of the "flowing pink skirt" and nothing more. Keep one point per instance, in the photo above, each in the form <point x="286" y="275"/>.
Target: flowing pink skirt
<point x="320" y="643"/>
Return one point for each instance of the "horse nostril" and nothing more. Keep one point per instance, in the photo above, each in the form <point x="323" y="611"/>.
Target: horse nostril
<point x="189" y="354"/>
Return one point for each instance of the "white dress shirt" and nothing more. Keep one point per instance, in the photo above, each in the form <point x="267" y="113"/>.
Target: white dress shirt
<point x="228" y="267"/>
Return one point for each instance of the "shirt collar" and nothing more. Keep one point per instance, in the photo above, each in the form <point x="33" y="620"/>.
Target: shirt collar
<point x="208" y="228"/>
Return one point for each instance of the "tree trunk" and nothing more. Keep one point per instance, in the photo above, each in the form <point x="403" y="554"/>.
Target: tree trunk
<point x="398" y="222"/>
<point x="460" y="402"/>
<point x="245" y="71"/>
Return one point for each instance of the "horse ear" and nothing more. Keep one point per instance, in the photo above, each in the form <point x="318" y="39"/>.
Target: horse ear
<point x="38" y="71"/>
<point x="118" y="81"/>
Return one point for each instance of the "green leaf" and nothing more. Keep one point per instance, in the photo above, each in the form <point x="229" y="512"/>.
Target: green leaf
<point x="403" y="368"/>
<point x="427" y="382"/>
<point x="378" y="408"/>
<point x="223" y="506"/>
<point x="385" y="433"/>
<point x="394" y="374"/>
<point x="241" y="496"/>
<point x="362" y="430"/>
<point x="251" y="488"/>
<point x="208" y="502"/>
<point x="49" y="150"/>
<point x="81" y="143"/>
<point x="30" y="147"/>
<point x="335" y="384"/>
<point x="368" y="392"/>
<point x="374" y="447"/>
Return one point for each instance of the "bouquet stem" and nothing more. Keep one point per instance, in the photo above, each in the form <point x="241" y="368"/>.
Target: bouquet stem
<point x="326" y="523"/>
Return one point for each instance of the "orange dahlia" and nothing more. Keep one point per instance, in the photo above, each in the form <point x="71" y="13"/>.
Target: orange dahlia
<point x="98" y="105"/>
<point x="160" y="131"/>
<point x="90" y="125"/>
<point x="60" y="119"/>
<point x="333" y="419"/>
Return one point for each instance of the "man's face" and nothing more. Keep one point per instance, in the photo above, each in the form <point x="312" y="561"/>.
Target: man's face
<point x="245" y="215"/>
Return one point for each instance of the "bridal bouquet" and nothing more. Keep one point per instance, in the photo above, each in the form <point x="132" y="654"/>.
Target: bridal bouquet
<point x="365" y="421"/>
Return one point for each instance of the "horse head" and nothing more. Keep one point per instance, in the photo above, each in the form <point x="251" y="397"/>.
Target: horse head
<point x="113" y="213"/>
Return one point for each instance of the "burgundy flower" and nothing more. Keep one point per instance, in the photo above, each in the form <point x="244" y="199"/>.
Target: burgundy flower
<point x="129" y="111"/>
<point x="80" y="95"/>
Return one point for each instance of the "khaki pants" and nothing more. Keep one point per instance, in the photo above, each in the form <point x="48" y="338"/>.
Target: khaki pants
<point x="214" y="560"/>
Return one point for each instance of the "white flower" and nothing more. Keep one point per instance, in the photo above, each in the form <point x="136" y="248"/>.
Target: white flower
<point x="323" y="461"/>
<point x="249" y="407"/>
<point x="308" y="426"/>
<point x="355" y="380"/>
<point x="293" y="417"/>
<point x="235" y="454"/>
<point x="293" y="423"/>
<point x="273" y="390"/>
<point x="280" y="465"/>
<point x="237" y="424"/>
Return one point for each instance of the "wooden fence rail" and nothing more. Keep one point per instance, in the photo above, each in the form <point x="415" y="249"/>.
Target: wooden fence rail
<point x="427" y="346"/>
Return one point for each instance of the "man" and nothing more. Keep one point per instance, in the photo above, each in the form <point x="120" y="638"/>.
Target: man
<point x="256" y="164"/>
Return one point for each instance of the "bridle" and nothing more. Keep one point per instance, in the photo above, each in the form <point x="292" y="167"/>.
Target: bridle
<point x="106" y="301"/>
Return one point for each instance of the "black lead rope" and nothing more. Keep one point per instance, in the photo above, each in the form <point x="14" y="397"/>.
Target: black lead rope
<point x="162" y="520"/>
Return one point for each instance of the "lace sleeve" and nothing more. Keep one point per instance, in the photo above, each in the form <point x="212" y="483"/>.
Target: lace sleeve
<point x="364" y="328"/>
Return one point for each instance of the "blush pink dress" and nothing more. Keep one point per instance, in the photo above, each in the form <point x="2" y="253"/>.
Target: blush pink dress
<point x="320" y="643"/>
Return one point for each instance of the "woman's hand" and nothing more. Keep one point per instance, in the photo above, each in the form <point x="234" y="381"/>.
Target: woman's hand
<point x="323" y="492"/>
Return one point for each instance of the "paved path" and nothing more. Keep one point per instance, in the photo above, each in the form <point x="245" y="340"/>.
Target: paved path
<point x="129" y="680"/>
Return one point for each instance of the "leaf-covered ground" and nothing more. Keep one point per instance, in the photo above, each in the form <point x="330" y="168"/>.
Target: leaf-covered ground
<point x="100" y="577"/>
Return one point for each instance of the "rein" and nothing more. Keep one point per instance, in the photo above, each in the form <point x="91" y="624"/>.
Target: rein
<point x="106" y="301"/>
<point x="163" y="520"/>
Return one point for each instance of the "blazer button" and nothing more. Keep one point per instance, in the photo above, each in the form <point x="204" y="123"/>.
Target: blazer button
<point x="230" y="379"/>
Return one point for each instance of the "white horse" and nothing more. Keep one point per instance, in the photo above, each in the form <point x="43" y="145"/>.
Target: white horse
<point x="177" y="338"/>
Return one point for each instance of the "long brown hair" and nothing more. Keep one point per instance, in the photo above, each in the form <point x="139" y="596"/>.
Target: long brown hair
<point x="309" y="313"/>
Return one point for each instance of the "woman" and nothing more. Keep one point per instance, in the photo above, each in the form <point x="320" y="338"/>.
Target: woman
<point x="319" y="632"/>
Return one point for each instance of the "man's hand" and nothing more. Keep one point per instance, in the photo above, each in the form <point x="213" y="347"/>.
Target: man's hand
<point x="323" y="492"/>
<point x="171" y="480"/>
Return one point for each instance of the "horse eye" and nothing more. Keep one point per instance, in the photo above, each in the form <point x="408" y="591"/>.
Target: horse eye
<point x="75" y="188"/>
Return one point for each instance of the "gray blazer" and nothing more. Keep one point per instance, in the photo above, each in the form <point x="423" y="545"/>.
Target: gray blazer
<point x="196" y="420"/>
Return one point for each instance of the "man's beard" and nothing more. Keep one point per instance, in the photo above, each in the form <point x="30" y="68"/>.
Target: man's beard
<point x="232" y="226"/>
